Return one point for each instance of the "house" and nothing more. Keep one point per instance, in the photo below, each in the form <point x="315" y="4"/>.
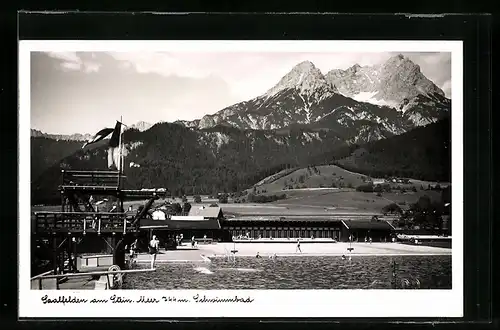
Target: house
<point x="207" y="212"/>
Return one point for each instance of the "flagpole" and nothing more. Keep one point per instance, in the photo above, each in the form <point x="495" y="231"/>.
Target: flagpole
<point x="120" y="169"/>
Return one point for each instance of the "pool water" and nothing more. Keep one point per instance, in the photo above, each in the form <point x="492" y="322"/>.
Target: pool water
<point x="362" y="272"/>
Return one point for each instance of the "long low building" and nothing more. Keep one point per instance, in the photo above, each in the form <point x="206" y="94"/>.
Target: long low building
<point x="334" y="227"/>
<point x="211" y="222"/>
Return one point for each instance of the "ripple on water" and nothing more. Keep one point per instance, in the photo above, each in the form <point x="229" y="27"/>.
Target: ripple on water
<point x="363" y="272"/>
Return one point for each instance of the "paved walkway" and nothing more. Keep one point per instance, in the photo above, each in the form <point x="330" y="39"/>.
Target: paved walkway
<point x="320" y="249"/>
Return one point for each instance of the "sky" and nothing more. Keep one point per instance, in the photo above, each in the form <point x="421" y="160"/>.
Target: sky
<point x="83" y="92"/>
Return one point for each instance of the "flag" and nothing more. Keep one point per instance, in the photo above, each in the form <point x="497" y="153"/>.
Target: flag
<point x="99" y="136"/>
<point x="115" y="138"/>
<point x="114" y="147"/>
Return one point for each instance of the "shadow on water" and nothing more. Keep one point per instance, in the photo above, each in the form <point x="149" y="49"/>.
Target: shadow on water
<point x="363" y="272"/>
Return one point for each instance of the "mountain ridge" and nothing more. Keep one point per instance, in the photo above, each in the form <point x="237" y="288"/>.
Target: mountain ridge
<point x="224" y="158"/>
<point x="305" y="96"/>
<point x="140" y="126"/>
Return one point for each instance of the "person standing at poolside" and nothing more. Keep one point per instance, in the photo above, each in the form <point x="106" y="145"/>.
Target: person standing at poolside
<point x="133" y="249"/>
<point x="298" y="247"/>
<point x="154" y="245"/>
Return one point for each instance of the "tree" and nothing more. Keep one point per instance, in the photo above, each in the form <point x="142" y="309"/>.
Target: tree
<point x="197" y="199"/>
<point x="391" y="208"/>
<point x="223" y="198"/>
<point x="424" y="203"/>
<point x="365" y="188"/>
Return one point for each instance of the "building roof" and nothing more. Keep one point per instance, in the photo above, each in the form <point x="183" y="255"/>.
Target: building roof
<point x="204" y="211"/>
<point x="187" y="224"/>
<point x="367" y="224"/>
<point x="311" y="218"/>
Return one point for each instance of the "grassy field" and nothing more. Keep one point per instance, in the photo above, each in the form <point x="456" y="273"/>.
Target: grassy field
<point x="303" y="201"/>
<point x="351" y="200"/>
<point x="325" y="176"/>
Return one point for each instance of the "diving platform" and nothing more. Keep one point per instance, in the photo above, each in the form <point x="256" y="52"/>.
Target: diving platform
<point x="91" y="178"/>
<point x="92" y="205"/>
<point x="84" y="222"/>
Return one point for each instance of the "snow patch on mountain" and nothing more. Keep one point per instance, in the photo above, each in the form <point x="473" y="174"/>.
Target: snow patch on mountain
<point x="311" y="136"/>
<point x="420" y="120"/>
<point x="369" y="97"/>
<point x="214" y="140"/>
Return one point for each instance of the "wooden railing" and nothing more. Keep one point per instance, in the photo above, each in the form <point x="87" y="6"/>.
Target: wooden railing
<point x="99" y="222"/>
<point x="91" y="178"/>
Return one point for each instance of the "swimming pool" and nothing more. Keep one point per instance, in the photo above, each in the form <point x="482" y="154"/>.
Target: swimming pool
<point x="362" y="272"/>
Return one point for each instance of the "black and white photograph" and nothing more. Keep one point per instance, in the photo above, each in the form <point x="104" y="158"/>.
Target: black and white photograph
<point x="306" y="174"/>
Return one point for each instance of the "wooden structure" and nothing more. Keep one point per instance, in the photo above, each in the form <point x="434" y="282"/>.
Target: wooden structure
<point x="108" y="279"/>
<point x="79" y="218"/>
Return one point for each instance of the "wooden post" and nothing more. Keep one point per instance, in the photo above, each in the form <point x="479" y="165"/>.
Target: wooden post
<point x="75" y="266"/>
<point x="70" y="259"/>
<point x="54" y="251"/>
<point x="113" y="243"/>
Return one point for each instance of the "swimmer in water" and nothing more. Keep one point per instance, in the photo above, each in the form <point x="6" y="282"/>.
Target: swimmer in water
<point x="343" y="257"/>
<point x="258" y="255"/>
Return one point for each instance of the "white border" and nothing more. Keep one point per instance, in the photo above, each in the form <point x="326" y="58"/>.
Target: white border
<point x="267" y="303"/>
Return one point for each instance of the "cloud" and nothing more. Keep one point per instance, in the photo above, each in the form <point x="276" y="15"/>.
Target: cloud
<point x="82" y="100"/>
<point x="65" y="56"/>
<point x="73" y="61"/>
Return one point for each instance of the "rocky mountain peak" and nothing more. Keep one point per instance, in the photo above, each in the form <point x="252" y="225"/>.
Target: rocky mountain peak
<point x="391" y="83"/>
<point x="394" y="96"/>
<point x="354" y="68"/>
<point x="305" y="77"/>
<point x="304" y="66"/>
<point x="402" y="79"/>
<point x="142" y="126"/>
